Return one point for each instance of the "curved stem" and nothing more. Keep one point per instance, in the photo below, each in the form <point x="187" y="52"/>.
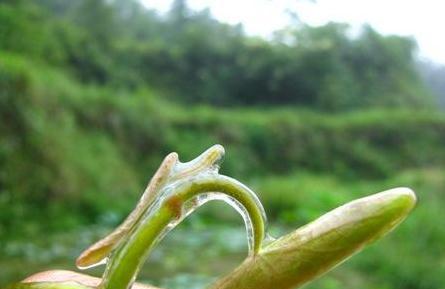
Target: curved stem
<point x="131" y="254"/>
<point x="97" y="252"/>
<point x="170" y="170"/>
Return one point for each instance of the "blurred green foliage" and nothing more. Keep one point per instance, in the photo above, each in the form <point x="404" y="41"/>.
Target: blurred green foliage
<point x="66" y="142"/>
<point x="193" y="58"/>
<point x="94" y="93"/>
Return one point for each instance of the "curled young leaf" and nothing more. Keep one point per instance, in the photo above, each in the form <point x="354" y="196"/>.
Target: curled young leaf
<point x="314" y="249"/>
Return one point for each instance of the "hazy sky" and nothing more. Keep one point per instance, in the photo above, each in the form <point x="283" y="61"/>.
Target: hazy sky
<point x="422" y="19"/>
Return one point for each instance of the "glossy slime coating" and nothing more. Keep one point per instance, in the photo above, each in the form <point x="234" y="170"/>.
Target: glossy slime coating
<point x="175" y="191"/>
<point x="169" y="171"/>
<point x="97" y="253"/>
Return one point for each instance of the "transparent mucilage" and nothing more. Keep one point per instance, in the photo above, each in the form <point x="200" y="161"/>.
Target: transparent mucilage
<point x="188" y="186"/>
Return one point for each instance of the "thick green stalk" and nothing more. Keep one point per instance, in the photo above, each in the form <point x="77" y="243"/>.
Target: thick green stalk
<point x="124" y="264"/>
<point x="131" y="254"/>
<point x="308" y="252"/>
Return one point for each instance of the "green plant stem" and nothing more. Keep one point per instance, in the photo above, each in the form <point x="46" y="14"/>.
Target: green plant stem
<point x="133" y="251"/>
<point x="235" y="190"/>
<point x="313" y="249"/>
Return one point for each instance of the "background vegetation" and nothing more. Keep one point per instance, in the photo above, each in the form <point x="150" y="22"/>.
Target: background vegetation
<point x="94" y="93"/>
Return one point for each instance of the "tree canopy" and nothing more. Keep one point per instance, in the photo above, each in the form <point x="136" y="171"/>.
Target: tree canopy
<point x="193" y="58"/>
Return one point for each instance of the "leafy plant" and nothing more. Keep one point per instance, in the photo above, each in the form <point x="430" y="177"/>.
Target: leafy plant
<point x="177" y="189"/>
